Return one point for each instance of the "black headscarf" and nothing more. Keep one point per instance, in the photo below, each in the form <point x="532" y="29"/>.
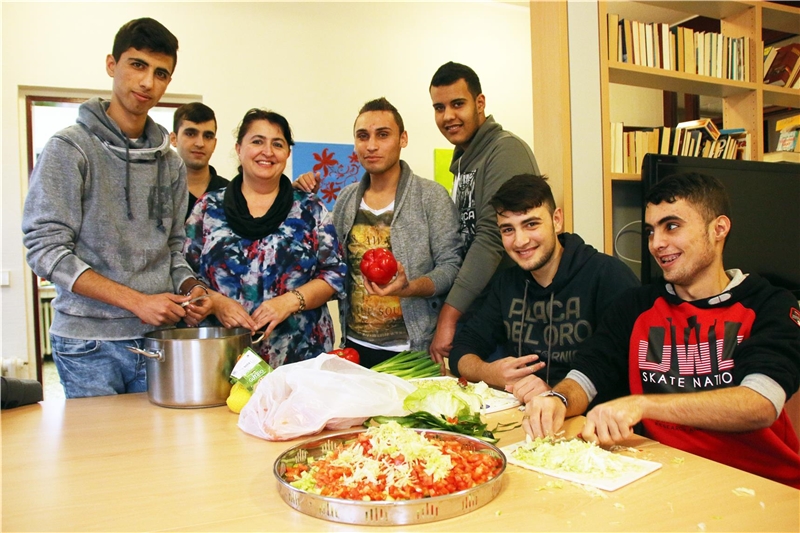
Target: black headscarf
<point x="243" y="223"/>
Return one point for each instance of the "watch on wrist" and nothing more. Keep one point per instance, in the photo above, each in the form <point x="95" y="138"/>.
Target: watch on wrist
<point x="557" y="395"/>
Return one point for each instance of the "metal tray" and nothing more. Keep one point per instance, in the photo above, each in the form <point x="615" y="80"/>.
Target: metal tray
<point x="385" y="513"/>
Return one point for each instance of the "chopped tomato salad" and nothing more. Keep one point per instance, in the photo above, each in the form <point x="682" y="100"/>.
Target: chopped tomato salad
<point x="390" y="462"/>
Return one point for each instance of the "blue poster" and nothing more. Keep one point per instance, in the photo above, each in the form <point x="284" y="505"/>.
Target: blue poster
<point x="337" y="165"/>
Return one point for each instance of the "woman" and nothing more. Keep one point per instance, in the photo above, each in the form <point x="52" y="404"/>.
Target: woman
<point x="269" y="252"/>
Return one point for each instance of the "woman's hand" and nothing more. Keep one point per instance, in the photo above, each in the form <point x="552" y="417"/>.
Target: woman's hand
<point x="198" y="310"/>
<point x="230" y="313"/>
<point x="274" y="311"/>
<point x="308" y="182"/>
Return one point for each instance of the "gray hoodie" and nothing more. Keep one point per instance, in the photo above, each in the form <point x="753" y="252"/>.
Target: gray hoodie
<point x="493" y="157"/>
<point x="99" y="200"/>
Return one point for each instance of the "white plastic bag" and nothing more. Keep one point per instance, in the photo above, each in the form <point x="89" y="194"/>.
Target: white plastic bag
<point x="326" y="392"/>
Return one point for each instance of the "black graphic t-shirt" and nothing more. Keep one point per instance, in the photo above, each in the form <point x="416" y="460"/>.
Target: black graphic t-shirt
<point x="375" y="321"/>
<point x="464" y="197"/>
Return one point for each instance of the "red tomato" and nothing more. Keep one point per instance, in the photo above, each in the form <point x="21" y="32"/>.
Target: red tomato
<point x="378" y="265"/>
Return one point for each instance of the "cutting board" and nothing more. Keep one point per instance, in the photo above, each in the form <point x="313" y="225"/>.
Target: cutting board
<point x="640" y="468"/>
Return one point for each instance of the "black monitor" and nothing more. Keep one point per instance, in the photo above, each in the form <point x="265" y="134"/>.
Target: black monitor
<point x="765" y="217"/>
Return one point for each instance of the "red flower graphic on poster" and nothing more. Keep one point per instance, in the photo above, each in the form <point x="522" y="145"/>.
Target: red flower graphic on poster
<point x="326" y="161"/>
<point x="325" y="158"/>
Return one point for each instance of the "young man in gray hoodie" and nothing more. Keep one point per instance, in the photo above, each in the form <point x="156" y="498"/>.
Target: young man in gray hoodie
<point x="103" y="220"/>
<point x="485" y="157"/>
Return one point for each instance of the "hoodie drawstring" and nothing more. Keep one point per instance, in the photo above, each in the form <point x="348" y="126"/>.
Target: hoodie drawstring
<point x="159" y="206"/>
<point x="127" y="176"/>
<point x="524" y="305"/>
<point x="547" y="338"/>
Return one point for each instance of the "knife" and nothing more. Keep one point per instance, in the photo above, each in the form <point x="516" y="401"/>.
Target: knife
<point x="203" y="297"/>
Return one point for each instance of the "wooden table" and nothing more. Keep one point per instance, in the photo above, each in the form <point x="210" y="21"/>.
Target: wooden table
<point x="123" y="464"/>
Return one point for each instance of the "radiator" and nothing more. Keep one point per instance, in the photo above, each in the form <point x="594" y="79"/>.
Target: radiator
<point x="13" y="368"/>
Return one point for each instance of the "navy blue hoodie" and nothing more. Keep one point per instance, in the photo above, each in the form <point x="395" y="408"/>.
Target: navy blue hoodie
<point x="523" y="317"/>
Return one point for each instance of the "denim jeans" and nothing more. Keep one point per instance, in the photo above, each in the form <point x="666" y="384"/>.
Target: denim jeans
<point x="98" y="368"/>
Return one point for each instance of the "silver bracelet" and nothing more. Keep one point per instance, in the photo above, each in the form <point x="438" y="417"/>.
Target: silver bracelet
<point x="557" y="395"/>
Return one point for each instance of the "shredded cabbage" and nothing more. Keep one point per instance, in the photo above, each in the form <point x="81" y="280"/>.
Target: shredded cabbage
<point x="388" y="441"/>
<point x="572" y="455"/>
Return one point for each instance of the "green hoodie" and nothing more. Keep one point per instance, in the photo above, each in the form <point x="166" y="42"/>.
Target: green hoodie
<point x="100" y="201"/>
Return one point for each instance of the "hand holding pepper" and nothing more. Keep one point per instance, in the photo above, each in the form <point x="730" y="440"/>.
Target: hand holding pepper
<point x="395" y="287"/>
<point x="378" y="265"/>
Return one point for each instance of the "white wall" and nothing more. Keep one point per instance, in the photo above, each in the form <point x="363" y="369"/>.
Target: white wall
<point x="316" y="63"/>
<point x="587" y="137"/>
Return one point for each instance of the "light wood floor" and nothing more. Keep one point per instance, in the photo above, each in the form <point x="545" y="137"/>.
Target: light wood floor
<point x="52" y="385"/>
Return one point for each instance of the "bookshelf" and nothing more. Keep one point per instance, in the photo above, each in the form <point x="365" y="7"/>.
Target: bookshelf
<point x="743" y="102"/>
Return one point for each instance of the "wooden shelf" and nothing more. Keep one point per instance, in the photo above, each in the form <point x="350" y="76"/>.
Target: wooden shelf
<point x="743" y="101"/>
<point x="780" y="17"/>
<point x="781" y="96"/>
<point x="715" y="10"/>
<point x="618" y="176"/>
<point x="670" y="80"/>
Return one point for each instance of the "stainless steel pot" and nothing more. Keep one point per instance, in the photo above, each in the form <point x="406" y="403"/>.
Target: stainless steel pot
<point x="191" y="367"/>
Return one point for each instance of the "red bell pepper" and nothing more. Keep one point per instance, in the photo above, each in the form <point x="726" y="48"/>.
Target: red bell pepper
<point x="378" y="265"/>
<point x="350" y="354"/>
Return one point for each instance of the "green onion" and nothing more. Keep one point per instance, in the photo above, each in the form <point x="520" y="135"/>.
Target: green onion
<point x="409" y="365"/>
<point x="465" y="424"/>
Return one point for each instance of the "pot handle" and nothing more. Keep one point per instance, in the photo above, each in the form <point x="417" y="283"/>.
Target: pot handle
<point x="158" y="355"/>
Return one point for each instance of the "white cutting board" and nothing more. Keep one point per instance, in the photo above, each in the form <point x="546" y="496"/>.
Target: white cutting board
<point x="610" y="484"/>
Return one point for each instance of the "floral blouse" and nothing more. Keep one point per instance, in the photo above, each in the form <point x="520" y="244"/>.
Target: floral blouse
<point x="304" y="247"/>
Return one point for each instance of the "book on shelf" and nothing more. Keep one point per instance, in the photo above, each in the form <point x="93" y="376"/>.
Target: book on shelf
<point x="796" y="84"/>
<point x="788" y="141"/>
<point x="628" y="42"/>
<point x="788" y="157"/>
<point x="795" y="75"/>
<point x="769" y="56"/>
<point x="788" y="123"/>
<point x="648" y="45"/>
<point x="665" y="135"/>
<point x="690" y="51"/>
<point x="630" y="144"/>
<point x="658" y="54"/>
<point x="657" y="45"/>
<point x="743" y="57"/>
<point x="699" y="46"/>
<point x="677" y="139"/>
<point x="613" y="36"/>
<point x="740" y="143"/>
<point x="783" y="65"/>
<point x="635" y="55"/>
<point x="743" y="148"/>
<point x="640" y="43"/>
<point x="704" y="125"/>
<point x="672" y="60"/>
